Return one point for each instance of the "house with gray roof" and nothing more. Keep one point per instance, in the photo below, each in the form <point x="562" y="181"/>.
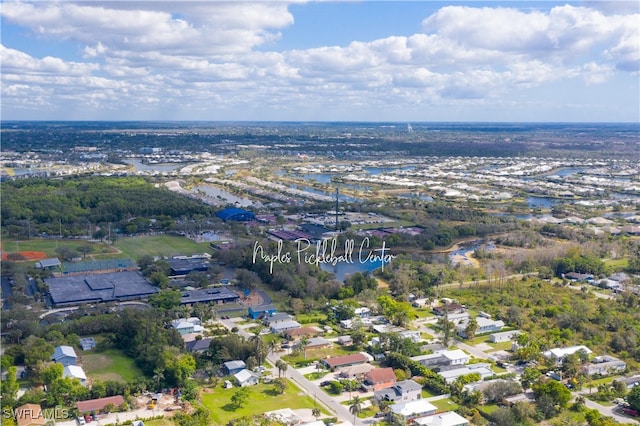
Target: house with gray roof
<point x="233" y="367"/>
<point x="64" y="355"/>
<point x="403" y="391"/>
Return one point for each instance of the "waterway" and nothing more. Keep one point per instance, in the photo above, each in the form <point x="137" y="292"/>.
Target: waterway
<point x="344" y="269"/>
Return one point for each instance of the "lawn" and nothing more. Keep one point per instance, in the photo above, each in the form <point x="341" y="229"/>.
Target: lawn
<point x="262" y="398"/>
<point x="445" y="405"/>
<point x="158" y="245"/>
<point x="111" y="364"/>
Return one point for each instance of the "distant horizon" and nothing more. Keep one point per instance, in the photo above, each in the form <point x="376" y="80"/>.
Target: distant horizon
<point x="404" y="123"/>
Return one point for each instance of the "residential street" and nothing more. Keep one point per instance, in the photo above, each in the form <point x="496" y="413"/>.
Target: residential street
<point x="309" y="388"/>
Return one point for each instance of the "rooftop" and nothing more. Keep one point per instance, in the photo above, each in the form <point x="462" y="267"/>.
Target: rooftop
<point x="113" y="286"/>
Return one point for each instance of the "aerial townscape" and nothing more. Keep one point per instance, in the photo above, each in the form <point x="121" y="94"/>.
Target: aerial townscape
<point x="319" y="213"/>
<point x="272" y="273"/>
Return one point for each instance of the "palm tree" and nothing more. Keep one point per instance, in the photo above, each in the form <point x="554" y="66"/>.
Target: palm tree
<point x="355" y="407"/>
<point x="302" y="345"/>
<point x="282" y="367"/>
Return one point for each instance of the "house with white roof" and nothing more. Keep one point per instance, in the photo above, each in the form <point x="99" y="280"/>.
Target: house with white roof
<point x="558" y="354"/>
<point x="445" y="359"/>
<point x="604" y="365"/>
<point x="448" y="418"/>
<point x="485" y="325"/>
<point x="282" y="326"/>
<point x="484" y="369"/>
<point x="413" y="409"/>
<point x="246" y="378"/>
<point x="75" y="372"/>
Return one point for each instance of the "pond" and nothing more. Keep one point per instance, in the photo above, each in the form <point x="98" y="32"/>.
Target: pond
<point x="543" y="202"/>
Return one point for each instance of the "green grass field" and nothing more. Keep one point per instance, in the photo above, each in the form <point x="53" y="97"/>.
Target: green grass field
<point x="131" y="247"/>
<point x="262" y="398"/>
<point x="158" y="245"/>
<point x="111" y="364"/>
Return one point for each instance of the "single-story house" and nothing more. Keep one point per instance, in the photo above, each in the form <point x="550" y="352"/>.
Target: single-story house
<point x="448" y="418"/>
<point x="484" y="369"/>
<point x="188" y="325"/>
<point x="558" y="354"/>
<point x="414" y="335"/>
<point x="504" y="336"/>
<point x="282" y="326"/>
<point x="356" y="371"/>
<point x="64" y="355"/>
<point x="246" y="378"/>
<point x="379" y="378"/>
<point x="199" y="345"/>
<point x="631" y="382"/>
<point x="293" y="334"/>
<point x="345" y="340"/>
<point x="449" y="308"/>
<point x="233" y="367"/>
<point x="345" y="361"/>
<point x="413" y="409"/>
<point x="403" y="391"/>
<point x="75" y="372"/>
<point x="318" y="343"/>
<point x="98" y="405"/>
<point x="87" y="343"/>
<point x="604" y="365"/>
<point x="443" y="359"/>
<point x="30" y="415"/>
<point x="256" y="312"/>
<point x="485" y="325"/>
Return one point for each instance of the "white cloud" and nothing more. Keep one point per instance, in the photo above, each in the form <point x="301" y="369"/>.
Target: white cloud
<point x="195" y="55"/>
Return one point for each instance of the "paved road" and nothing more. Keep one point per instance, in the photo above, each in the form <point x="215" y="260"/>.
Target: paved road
<point x="309" y="388"/>
<point x="603" y="409"/>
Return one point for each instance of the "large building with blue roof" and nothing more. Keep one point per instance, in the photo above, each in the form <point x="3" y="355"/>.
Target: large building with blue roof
<point x="236" y="214"/>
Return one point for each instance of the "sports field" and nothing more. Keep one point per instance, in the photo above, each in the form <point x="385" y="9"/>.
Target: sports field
<point x="131" y="247"/>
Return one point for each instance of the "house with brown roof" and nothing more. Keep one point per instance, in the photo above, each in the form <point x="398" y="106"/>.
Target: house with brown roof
<point x="296" y="333"/>
<point x="379" y="378"/>
<point x="30" y="415"/>
<point x="345" y="361"/>
<point x="98" y="405"/>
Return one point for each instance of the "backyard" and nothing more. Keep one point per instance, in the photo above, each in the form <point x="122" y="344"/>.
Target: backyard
<point x="110" y="364"/>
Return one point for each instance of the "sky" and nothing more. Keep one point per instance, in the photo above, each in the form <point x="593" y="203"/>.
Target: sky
<point x="374" y="61"/>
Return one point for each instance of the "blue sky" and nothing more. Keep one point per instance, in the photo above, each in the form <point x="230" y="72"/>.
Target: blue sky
<point x="321" y="61"/>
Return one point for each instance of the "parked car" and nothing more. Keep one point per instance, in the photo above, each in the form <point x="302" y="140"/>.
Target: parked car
<point x="81" y="420"/>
